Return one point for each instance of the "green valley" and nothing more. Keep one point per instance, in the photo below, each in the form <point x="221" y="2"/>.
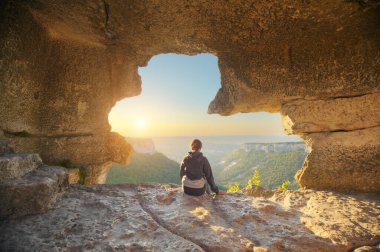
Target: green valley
<point x="275" y="162"/>
<point x="145" y="168"/>
<point x="274" y="167"/>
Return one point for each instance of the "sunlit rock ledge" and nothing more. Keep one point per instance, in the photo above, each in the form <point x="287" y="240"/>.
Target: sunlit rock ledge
<point x="161" y="218"/>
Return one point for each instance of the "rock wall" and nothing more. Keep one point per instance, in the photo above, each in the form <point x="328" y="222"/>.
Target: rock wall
<point x="343" y="134"/>
<point x="58" y="87"/>
<point x="64" y="64"/>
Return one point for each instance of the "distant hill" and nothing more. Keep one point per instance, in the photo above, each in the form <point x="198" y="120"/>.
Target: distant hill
<point x="275" y="164"/>
<point x="145" y="168"/>
<point x="142" y="145"/>
<point x="275" y="147"/>
<point x="214" y="147"/>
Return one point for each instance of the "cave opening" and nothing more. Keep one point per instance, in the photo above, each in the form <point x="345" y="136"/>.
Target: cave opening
<point x="172" y="110"/>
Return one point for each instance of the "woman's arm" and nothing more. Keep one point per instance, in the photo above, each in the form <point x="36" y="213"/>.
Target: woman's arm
<point x="210" y="178"/>
<point x="182" y="170"/>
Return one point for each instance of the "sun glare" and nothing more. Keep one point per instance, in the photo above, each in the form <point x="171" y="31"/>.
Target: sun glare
<point x="140" y="123"/>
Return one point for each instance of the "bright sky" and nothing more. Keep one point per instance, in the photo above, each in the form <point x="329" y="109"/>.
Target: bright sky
<point x="176" y="92"/>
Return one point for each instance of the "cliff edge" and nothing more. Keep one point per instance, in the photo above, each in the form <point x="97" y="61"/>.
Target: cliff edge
<point x="161" y="218"/>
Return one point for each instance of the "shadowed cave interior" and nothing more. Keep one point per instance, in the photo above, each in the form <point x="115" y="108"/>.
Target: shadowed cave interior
<point x="65" y="64"/>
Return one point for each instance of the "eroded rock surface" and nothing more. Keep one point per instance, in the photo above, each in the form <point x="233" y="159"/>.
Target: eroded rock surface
<point x="92" y="152"/>
<point x="27" y="186"/>
<point x="161" y="218"/>
<point x="32" y="193"/>
<point x="14" y="165"/>
<point x="343" y="161"/>
<point x="4" y="145"/>
<point x="343" y="135"/>
<point x="73" y="175"/>
<point x="340" y="114"/>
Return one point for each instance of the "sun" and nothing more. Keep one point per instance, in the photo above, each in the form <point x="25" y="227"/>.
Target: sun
<point x="140" y="123"/>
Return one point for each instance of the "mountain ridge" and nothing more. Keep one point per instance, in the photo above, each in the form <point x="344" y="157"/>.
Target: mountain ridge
<point x="275" y="147"/>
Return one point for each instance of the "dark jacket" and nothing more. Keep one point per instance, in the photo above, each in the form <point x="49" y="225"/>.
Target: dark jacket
<point x="196" y="166"/>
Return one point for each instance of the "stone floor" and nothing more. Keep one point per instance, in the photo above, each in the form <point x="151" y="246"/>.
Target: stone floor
<point x="161" y="218"/>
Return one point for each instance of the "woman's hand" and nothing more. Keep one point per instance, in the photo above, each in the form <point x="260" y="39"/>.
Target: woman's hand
<point x="221" y="193"/>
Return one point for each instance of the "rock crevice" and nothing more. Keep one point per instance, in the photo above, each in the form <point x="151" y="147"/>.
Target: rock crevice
<point x="170" y="229"/>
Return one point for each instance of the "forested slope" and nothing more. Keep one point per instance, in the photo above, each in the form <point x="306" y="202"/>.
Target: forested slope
<point x="145" y="168"/>
<point x="274" y="167"/>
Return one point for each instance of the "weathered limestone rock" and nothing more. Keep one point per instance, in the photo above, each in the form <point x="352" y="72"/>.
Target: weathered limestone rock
<point x="5" y="148"/>
<point x="64" y="65"/>
<point x="338" y="217"/>
<point x="347" y="161"/>
<point x="33" y="193"/>
<point x="96" y="174"/>
<point x="73" y="175"/>
<point x="368" y="249"/>
<point x="258" y="191"/>
<point x="15" y="165"/>
<point x="308" y="116"/>
<point x="104" y="147"/>
<point x="161" y="218"/>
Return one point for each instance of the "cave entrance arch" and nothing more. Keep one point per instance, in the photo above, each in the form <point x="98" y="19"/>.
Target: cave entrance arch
<point x="172" y="109"/>
<point x="62" y="74"/>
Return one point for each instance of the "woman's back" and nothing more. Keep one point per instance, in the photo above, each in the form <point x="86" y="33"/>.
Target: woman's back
<point x="194" y="163"/>
<point x="196" y="172"/>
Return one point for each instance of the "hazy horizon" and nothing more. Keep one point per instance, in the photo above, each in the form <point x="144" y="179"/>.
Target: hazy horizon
<point x="214" y="147"/>
<point x="281" y="138"/>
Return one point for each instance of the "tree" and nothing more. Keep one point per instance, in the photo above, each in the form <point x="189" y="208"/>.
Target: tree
<point x="284" y="186"/>
<point x="254" y="180"/>
<point x="233" y="188"/>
